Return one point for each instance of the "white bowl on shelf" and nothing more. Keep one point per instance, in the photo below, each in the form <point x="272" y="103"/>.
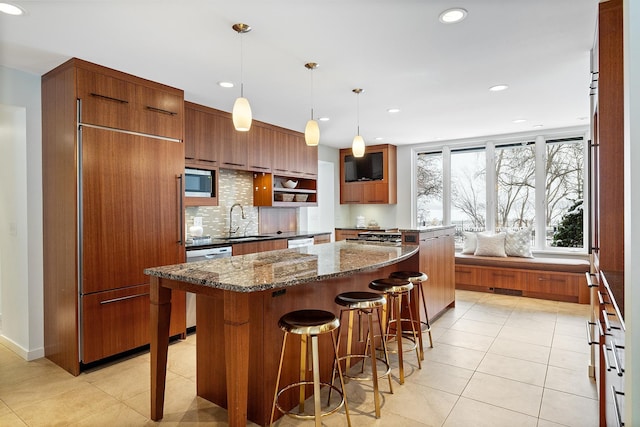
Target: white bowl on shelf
<point x="289" y="184"/>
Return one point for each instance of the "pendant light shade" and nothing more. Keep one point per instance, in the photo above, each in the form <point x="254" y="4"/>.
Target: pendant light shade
<point x="357" y="147"/>
<point x="241" y="114"/>
<point x="311" y="130"/>
<point x="312" y="133"/>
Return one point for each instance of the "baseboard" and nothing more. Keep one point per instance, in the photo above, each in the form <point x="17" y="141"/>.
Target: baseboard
<point x="27" y="355"/>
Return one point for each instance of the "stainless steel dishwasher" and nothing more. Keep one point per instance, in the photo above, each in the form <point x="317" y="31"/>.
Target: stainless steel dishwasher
<point x="193" y="255"/>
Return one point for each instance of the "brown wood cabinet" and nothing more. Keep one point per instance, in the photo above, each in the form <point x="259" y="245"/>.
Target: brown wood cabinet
<point x="201" y="126"/>
<point x="437" y="261"/>
<point x="127" y="216"/>
<point x="321" y="238"/>
<point x="347" y="233"/>
<point x="270" y="191"/>
<point x="382" y="191"/>
<point x="260" y="147"/>
<point x="258" y="246"/>
<point x="292" y="157"/>
<point x="607" y="182"/>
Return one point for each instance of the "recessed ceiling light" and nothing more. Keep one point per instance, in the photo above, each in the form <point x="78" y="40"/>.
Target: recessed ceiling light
<point x="378" y="138"/>
<point x="393" y="110"/>
<point x="519" y="120"/>
<point x="324" y="119"/>
<point x="11" y="9"/>
<point x="225" y="84"/>
<point x="537" y="126"/>
<point x="451" y="16"/>
<point x="498" y="88"/>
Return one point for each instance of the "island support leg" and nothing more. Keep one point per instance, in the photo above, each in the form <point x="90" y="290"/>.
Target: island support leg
<point x="236" y="353"/>
<point x="160" y="316"/>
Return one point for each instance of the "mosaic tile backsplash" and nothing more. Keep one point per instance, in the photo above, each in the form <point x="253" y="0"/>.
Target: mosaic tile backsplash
<point x="233" y="187"/>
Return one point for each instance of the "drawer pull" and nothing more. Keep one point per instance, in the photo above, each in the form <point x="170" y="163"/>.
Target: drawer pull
<point x="461" y="271"/>
<point x="109" y="301"/>
<point x="614" y="394"/>
<point x="161" y="111"/>
<point x="503" y="275"/>
<point x="590" y="283"/>
<point x="590" y="340"/>
<point x="601" y="299"/>
<point x="109" y="98"/>
<point x="616" y="362"/>
<point x="605" y="355"/>
<point x="605" y="315"/>
<point x="548" y="279"/>
<point x="600" y="330"/>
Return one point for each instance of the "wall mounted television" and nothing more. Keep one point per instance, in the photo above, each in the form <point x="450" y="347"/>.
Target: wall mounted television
<point x="366" y="168"/>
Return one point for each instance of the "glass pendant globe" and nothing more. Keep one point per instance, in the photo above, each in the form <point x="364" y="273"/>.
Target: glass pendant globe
<point x="242" y="115"/>
<point x="358" y="146"/>
<point x="312" y="133"/>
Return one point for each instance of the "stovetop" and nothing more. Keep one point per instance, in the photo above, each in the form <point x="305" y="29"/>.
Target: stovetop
<point x="378" y="236"/>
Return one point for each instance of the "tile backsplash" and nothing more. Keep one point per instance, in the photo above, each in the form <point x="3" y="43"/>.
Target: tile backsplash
<point x="233" y="187"/>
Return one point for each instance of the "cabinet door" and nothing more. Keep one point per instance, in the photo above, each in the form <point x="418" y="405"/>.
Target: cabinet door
<point x="131" y="201"/>
<point x="204" y="133"/>
<point x="259" y="150"/>
<point x="117" y="321"/>
<point x="309" y="160"/>
<point x="281" y="155"/>
<point x="351" y="193"/>
<point x="159" y="112"/>
<point x="375" y="192"/>
<point x="233" y="144"/>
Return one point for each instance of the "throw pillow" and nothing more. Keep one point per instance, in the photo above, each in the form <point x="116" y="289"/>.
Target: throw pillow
<point x="490" y="245"/>
<point x="518" y="243"/>
<point x="470" y="242"/>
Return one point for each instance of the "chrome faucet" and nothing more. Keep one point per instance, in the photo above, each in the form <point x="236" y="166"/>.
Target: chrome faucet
<point x="231" y="229"/>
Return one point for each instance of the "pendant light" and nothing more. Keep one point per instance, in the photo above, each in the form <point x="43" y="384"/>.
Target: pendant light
<point x="241" y="109"/>
<point x="357" y="147"/>
<point x="311" y="130"/>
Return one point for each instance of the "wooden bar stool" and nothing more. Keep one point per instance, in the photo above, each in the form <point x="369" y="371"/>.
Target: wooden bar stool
<point x="417" y="277"/>
<point x="397" y="290"/>
<point x="309" y="323"/>
<point x="363" y="303"/>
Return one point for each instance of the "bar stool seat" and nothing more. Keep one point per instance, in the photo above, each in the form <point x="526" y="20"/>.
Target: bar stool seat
<point x="364" y="303"/>
<point x="417" y="277"/>
<point x="397" y="290"/>
<point x="309" y="323"/>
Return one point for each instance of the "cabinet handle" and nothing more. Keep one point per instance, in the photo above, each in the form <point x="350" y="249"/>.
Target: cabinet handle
<point x="161" y="111"/>
<point x="605" y="349"/>
<point x="279" y="170"/>
<point x="590" y="340"/>
<point x="590" y="283"/>
<point x="600" y="330"/>
<point x="233" y="164"/>
<point x="181" y="209"/>
<point x="109" y="98"/>
<point x="605" y="315"/>
<point x="459" y="271"/>
<point x="259" y="167"/>
<point x="601" y="299"/>
<point x="614" y="394"/>
<point x="502" y="275"/>
<point x="616" y="361"/>
<point x="110" y="301"/>
<point x="375" y="201"/>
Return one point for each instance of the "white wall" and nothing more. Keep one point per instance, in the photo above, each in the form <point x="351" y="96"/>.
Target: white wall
<point x="21" y="220"/>
<point x="632" y="210"/>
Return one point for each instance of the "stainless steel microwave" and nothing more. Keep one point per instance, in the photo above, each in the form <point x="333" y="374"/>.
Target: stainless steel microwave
<point x="199" y="183"/>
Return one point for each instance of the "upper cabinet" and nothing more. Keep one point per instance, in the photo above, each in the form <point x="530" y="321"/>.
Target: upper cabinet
<point x="371" y="179"/>
<point x="210" y="139"/>
<point x="111" y="101"/>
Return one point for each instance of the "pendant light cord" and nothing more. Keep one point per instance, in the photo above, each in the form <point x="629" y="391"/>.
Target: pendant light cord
<point x="241" y="66"/>
<point x="358" y="111"/>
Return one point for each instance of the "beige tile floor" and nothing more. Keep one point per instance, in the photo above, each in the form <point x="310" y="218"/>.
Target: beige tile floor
<point x="497" y="361"/>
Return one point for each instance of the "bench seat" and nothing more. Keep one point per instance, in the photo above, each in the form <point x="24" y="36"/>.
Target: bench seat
<point x="561" y="279"/>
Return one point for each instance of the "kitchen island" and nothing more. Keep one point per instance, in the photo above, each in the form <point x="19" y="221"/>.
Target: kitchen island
<point x="239" y="302"/>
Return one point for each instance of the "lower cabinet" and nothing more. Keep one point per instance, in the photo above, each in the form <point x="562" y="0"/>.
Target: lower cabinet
<point x="118" y="320"/>
<point x="258" y="246"/>
<point x="437" y="261"/>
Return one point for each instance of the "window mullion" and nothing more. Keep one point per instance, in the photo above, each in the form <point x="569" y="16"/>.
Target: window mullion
<point x="446" y="182"/>
<point x="541" y="194"/>
<point x="490" y="155"/>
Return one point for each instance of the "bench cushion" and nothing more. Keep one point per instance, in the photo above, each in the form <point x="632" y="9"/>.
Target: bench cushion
<point x="566" y="265"/>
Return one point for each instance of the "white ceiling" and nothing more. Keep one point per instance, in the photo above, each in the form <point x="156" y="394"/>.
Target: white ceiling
<point x="397" y="50"/>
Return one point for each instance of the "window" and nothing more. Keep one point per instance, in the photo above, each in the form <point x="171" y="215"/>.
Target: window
<point x="430" y="191"/>
<point x="553" y="211"/>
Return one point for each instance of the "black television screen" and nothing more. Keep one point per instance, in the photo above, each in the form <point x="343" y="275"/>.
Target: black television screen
<point x="366" y="168"/>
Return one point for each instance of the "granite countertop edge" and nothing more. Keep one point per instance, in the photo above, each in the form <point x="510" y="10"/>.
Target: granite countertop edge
<point x="156" y="271"/>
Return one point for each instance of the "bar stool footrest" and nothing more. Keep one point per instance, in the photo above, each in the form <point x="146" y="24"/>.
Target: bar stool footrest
<point x="363" y="357"/>
<point x="299" y="384"/>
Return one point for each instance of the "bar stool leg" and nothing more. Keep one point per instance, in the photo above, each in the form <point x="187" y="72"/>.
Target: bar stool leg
<point x="416" y="306"/>
<point x="303" y="369"/>
<point x="275" y="394"/>
<point x="349" y="340"/>
<point x="315" y="363"/>
<point x="414" y="332"/>
<point x="374" y="367"/>
<point x="383" y="338"/>
<point x="340" y="374"/>
<point x="426" y="318"/>
<point x="398" y="310"/>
